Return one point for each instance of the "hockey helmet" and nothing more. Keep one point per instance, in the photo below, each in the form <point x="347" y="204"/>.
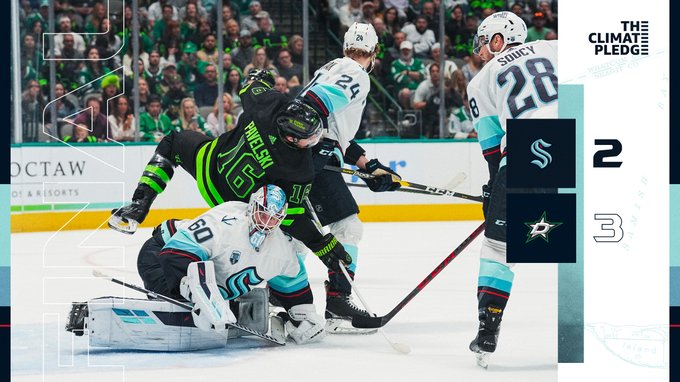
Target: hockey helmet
<point x="510" y="26"/>
<point x="361" y="36"/>
<point x="266" y="210"/>
<point x="300" y="122"/>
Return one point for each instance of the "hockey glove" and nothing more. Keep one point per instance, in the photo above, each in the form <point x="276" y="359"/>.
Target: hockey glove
<point x="385" y="179"/>
<point x="210" y="310"/>
<point x="330" y="251"/>
<point x="305" y="325"/>
<point x="486" y="195"/>
<point x="261" y="75"/>
<point x="324" y="151"/>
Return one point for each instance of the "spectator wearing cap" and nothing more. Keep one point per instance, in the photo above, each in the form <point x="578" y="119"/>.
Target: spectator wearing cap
<point x="296" y="45"/>
<point x="449" y="66"/>
<point x="90" y="75"/>
<point x="369" y="11"/>
<point x="289" y="70"/>
<point x="93" y="118"/>
<point x="81" y="134"/>
<point x="171" y="99"/>
<point x="208" y="51"/>
<point x="110" y="87"/>
<point x="260" y="61"/>
<point x="205" y="93"/>
<point x="65" y="26"/>
<point x="244" y="54"/>
<point x="153" y="123"/>
<point x="538" y="31"/>
<point x="407" y="72"/>
<point x="349" y="14"/>
<point x="190" y="68"/>
<point x="155" y="12"/>
<point x="271" y="40"/>
<point x="421" y="37"/>
<point x="250" y="22"/>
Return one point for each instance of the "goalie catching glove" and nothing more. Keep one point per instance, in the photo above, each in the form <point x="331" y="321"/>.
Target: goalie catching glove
<point x="305" y="325"/>
<point x="385" y="179"/>
<point x="331" y="252"/>
<point x="210" y="310"/>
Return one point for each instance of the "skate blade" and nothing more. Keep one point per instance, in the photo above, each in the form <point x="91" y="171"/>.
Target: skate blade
<point x="482" y="359"/>
<point x="341" y="326"/>
<point x="123" y="225"/>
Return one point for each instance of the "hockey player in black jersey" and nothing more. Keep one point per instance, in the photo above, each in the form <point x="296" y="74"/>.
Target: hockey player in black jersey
<point x="270" y="145"/>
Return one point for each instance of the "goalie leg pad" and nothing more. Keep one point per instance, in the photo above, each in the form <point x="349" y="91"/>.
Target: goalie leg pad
<point x="141" y="324"/>
<point x="253" y="312"/>
<point x="305" y="325"/>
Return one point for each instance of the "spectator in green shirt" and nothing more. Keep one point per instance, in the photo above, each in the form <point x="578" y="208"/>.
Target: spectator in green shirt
<point x="407" y="72"/>
<point x="153" y="124"/>
<point x="538" y="30"/>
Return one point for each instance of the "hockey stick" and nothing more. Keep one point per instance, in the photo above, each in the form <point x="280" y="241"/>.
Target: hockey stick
<point x="453" y="183"/>
<point x="378" y="322"/>
<point x="399" y="347"/>
<point x="429" y="189"/>
<point x="188" y="307"/>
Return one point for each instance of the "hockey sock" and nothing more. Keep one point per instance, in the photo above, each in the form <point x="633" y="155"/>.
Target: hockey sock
<point x="337" y="281"/>
<point x="157" y="173"/>
<point x="494" y="285"/>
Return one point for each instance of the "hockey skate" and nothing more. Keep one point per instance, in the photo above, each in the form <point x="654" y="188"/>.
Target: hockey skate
<point x="126" y="219"/>
<point x="339" y="312"/>
<point x="76" y="318"/>
<point x="487" y="336"/>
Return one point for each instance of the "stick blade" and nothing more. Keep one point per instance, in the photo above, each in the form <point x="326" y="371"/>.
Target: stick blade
<point x="364" y="322"/>
<point x="97" y="273"/>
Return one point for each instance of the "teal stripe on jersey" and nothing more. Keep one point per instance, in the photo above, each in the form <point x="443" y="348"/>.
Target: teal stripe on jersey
<point x="489" y="131"/>
<point x="182" y="241"/>
<point x="495" y="275"/>
<point x="285" y="284"/>
<point x="331" y="96"/>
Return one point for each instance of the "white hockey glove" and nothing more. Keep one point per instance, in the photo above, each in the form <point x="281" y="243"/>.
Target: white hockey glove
<point x="210" y="311"/>
<point x="305" y="325"/>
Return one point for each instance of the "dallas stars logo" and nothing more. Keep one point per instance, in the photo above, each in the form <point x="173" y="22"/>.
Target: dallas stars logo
<point x="540" y="228"/>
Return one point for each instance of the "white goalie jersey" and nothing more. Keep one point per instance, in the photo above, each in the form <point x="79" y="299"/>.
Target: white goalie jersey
<point x="342" y="85"/>
<point x="221" y="236"/>
<point x="520" y="82"/>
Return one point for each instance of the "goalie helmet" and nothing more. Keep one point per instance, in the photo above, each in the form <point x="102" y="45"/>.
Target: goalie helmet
<point x="510" y="26"/>
<point x="361" y="36"/>
<point x="266" y="210"/>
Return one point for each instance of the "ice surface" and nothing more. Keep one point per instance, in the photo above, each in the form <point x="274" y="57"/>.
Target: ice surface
<point x="49" y="270"/>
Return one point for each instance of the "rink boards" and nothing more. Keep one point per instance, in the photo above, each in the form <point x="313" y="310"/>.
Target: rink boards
<point x="59" y="186"/>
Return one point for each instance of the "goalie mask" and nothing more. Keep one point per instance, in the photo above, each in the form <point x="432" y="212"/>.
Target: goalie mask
<point x="266" y="210"/>
<point x="510" y="26"/>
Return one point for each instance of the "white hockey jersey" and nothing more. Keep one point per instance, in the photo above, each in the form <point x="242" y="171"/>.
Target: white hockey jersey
<point x="342" y="85"/>
<point x="221" y="235"/>
<point x="518" y="83"/>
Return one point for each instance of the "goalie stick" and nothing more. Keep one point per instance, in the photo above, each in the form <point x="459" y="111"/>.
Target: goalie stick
<point x="429" y="189"/>
<point x="378" y="322"/>
<point x="188" y="307"/>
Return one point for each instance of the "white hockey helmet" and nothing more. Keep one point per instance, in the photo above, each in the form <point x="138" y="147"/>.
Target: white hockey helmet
<point x="361" y="36"/>
<point x="266" y="210"/>
<point x="507" y="24"/>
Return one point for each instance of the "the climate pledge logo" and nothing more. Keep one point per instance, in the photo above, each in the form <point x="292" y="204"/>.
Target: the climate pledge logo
<point x="632" y="39"/>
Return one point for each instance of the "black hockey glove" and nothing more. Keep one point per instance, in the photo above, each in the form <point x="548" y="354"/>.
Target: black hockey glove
<point x="385" y="179"/>
<point x="261" y="75"/>
<point x="323" y="152"/>
<point x="330" y="251"/>
<point x="486" y="194"/>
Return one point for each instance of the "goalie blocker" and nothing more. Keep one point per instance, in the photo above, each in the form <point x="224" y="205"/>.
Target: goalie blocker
<point x="142" y="324"/>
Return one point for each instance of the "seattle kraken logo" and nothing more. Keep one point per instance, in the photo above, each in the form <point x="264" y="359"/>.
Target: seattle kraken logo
<point x="544" y="157"/>
<point x="235" y="256"/>
<point x="239" y="283"/>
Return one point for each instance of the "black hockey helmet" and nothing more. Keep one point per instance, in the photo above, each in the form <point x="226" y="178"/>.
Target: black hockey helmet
<point x="300" y="122"/>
